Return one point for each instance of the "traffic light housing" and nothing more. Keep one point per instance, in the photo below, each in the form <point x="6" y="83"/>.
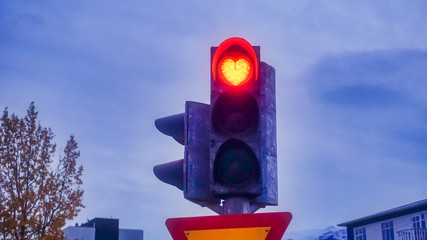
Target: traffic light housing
<point x="230" y="145"/>
<point x="191" y="174"/>
<point x="196" y="160"/>
<point x="243" y="154"/>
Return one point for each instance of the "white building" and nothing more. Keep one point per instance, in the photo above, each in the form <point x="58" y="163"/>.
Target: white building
<point x="102" y="229"/>
<point x="407" y="222"/>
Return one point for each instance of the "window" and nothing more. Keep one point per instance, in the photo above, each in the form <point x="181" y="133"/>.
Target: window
<point x="360" y="233"/>
<point x="387" y="230"/>
<point x="419" y="221"/>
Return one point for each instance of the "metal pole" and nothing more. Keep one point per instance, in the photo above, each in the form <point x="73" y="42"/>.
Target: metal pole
<point x="236" y="205"/>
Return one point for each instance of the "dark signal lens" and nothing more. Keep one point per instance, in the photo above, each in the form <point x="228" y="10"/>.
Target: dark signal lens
<point x="235" y="112"/>
<point x="236" y="163"/>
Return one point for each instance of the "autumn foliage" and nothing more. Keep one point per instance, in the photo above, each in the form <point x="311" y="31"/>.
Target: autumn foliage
<point x="37" y="194"/>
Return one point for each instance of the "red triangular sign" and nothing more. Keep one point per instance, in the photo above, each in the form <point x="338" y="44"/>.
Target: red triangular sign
<point x="258" y="226"/>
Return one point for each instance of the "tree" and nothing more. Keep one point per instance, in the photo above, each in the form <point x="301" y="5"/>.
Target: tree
<point x="37" y="194"/>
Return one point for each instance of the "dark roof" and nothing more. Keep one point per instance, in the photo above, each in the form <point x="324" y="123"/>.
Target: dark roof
<point x="100" y="221"/>
<point x="392" y="213"/>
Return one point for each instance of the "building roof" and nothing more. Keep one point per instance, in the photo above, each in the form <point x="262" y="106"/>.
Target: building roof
<point x="392" y="213"/>
<point x="102" y="221"/>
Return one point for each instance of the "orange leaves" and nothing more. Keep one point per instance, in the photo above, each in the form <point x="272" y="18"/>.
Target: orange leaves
<point x="35" y="200"/>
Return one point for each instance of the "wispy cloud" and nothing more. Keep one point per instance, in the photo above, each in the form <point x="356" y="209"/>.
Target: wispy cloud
<point x="364" y="134"/>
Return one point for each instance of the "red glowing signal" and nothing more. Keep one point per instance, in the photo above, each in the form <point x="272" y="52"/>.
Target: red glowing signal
<point x="235" y="62"/>
<point x="235" y="71"/>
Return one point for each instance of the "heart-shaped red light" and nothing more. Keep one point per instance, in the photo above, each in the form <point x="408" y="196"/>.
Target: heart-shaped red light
<point x="236" y="72"/>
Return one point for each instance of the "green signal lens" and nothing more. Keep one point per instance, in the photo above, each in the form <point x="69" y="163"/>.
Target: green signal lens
<point x="236" y="163"/>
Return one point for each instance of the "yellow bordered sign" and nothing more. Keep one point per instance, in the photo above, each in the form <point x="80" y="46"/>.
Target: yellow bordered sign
<point x="260" y="226"/>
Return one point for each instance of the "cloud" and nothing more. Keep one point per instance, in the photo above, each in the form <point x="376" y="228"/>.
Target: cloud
<point x="382" y="92"/>
<point x="362" y="139"/>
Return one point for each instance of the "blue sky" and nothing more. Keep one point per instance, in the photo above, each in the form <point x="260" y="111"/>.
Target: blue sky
<point x="351" y="97"/>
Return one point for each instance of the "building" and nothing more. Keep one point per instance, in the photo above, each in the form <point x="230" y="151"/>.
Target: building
<point x="102" y="229"/>
<point x="407" y="222"/>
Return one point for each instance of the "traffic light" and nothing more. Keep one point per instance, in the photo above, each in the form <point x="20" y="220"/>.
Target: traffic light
<point x="243" y="157"/>
<point x="191" y="174"/>
<point x="171" y="172"/>
<point x="230" y="145"/>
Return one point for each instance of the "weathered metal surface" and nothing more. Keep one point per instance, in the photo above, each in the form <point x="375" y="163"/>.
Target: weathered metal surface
<point x="217" y="139"/>
<point x="196" y="161"/>
<point x="262" y="141"/>
<point x="236" y="205"/>
<point x="268" y="150"/>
